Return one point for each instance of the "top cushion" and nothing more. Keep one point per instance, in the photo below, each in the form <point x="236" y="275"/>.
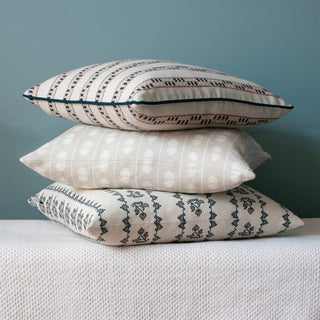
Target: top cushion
<point x="156" y="95"/>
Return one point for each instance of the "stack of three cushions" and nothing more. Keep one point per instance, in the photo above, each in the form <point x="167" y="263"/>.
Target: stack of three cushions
<point x="131" y="174"/>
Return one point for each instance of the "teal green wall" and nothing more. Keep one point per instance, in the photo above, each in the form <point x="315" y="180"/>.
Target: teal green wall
<point x="274" y="43"/>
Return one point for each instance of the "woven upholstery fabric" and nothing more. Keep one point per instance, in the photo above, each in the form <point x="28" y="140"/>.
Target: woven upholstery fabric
<point x="47" y="272"/>
<point x="189" y="161"/>
<point x="156" y="95"/>
<point x="137" y="216"/>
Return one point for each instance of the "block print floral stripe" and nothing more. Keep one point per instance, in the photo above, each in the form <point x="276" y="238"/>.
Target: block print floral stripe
<point x="157" y="218"/>
<point x="234" y="214"/>
<point x="125" y="208"/>
<point x="264" y="215"/>
<point x="82" y="200"/>
<point x="286" y="218"/>
<point x="181" y="217"/>
<point x="212" y="216"/>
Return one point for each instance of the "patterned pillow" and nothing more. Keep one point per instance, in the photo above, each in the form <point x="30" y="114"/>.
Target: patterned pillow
<point x="136" y="216"/>
<point x="190" y="161"/>
<point x="156" y="95"/>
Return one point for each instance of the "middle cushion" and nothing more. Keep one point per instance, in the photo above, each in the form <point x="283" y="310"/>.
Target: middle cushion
<point x="188" y="161"/>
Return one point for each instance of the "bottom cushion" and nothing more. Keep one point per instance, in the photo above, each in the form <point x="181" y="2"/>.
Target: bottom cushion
<point x="137" y="216"/>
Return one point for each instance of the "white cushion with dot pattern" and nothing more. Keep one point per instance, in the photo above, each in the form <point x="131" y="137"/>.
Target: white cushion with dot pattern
<point x="190" y="161"/>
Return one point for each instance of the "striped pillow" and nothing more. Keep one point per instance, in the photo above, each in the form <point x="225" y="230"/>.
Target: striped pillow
<point x="156" y="95"/>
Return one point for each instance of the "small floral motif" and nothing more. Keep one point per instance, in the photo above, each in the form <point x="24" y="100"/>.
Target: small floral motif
<point x="248" y="230"/>
<point x="143" y="236"/>
<point x="139" y="208"/>
<point x="247" y="204"/>
<point x="134" y="194"/>
<point x="197" y="232"/>
<point x="195" y="206"/>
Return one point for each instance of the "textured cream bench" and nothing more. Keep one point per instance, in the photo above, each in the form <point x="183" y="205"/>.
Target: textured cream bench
<point x="47" y="272"/>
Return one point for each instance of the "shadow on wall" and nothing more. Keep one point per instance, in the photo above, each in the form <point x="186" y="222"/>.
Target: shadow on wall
<point x="292" y="176"/>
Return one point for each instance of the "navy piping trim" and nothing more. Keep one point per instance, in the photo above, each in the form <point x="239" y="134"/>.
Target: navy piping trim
<point x="153" y="102"/>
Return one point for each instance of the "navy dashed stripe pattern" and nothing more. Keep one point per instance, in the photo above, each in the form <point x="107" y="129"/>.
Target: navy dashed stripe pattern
<point x="156" y="95"/>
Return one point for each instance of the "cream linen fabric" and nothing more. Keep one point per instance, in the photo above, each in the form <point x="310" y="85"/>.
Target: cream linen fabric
<point x="156" y="95"/>
<point x="189" y="161"/>
<point x="47" y="272"/>
<point x="135" y="216"/>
